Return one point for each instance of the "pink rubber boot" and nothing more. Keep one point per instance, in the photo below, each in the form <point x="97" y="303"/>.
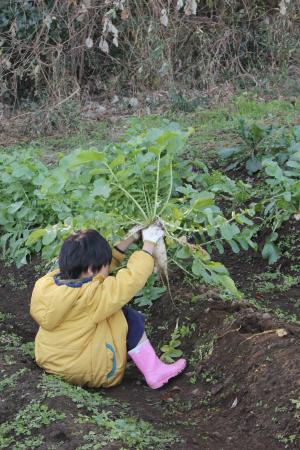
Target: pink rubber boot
<point x="154" y="370"/>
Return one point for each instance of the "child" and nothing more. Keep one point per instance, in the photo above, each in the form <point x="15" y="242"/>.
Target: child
<point x="85" y="329"/>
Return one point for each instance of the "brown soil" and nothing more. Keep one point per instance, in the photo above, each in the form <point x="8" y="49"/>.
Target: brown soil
<point x="235" y="394"/>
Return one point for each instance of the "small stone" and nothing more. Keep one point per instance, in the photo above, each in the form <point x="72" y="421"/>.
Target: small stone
<point x="176" y="389"/>
<point x="195" y="391"/>
<point x="217" y="388"/>
<point x="266" y="316"/>
<point x="200" y="367"/>
<point x="133" y="102"/>
<point x="235" y="402"/>
<point x="93" y="110"/>
<point x="115" y="100"/>
<point x="189" y="374"/>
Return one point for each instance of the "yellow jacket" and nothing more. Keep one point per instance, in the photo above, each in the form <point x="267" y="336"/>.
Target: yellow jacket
<point x="82" y="334"/>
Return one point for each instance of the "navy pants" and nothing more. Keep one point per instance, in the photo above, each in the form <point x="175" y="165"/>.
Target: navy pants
<point x="136" y="326"/>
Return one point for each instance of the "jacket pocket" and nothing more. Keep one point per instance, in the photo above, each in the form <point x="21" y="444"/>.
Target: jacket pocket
<point x="111" y="374"/>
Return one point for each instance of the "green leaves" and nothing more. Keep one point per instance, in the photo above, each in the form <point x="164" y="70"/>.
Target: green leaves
<point x="227" y="283"/>
<point x="214" y="272"/>
<point x="270" y="252"/>
<point x="49" y="236"/>
<point x="283" y="201"/>
<point x="272" y="169"/>
<point x="149" y="293"/>
<point x="139" y="180"/>
<point x="259" y="142"/>
<point x="183" y="252"/>
<point x="101" y="188"/>
<point x="229" y="230"/>
<point x="253" y="165"/>
<point x="171" y="351"/>
<point x="228" y="152"/>
<point x="14" y="207"/>
<point x="84" y="157"/>
<point x="35" y="236"/>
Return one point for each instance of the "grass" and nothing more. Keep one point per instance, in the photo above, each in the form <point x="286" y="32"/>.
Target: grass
<point x="213" y="125"/>
<point x="89" y="135"/>
<point x="203" y="349"/>
<point x="278" y="312"/>
<point x="11" y="381"/>
<point x="33" y="416"/>
<point x="269" y="282"/>
<point x="11" y="281"/>
<point x="4" y="317"/>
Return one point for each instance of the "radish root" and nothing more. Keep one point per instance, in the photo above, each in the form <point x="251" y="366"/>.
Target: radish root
<point x="161" y="263"/>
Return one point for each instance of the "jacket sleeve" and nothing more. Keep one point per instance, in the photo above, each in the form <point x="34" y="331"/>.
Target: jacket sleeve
<point x="117" y="257"/>
<point x="116" y="291"/>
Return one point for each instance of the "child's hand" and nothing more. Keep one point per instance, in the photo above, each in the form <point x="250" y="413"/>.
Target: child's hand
<point x="153" y="234"/>
<point x="135" y="232"/>
<point x="133" y="235"/>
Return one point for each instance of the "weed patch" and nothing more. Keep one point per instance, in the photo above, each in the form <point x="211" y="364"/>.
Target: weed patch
<point x="29" y="419"/>
<point x="11" y="381"/>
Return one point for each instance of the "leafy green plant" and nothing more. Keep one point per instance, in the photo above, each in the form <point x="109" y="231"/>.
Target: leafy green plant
<point x="11" y="381"/>
<point x="275" y="281"/>
<point x="287" y="439"/>
<point x="187" y="330"/>
<point x="32" y="417"/>
<point x="150" y="292"/>
<point x="180" y="103"/>
<point x="3" y="316"/>
<point x="20" y="206"/>
<point x="283" y="202"/>
<point x="140" y="181"/>
<point x="27" y="348"/>
<point x="202" y="351"/>
<point x="260" y="141"/>
<point x="275" y="153"/>
<point x="236" y="193"/>
<point x="296" y="402"/>
<point x="171" y="351"/>
<point x="10" y="341"/>
<point x="209" y="377"/>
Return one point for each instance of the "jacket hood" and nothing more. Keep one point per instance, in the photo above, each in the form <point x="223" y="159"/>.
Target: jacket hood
<point x="52" y="300"/>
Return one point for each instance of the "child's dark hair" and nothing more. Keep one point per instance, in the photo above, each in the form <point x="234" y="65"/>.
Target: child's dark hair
<point x="83" y="250"/>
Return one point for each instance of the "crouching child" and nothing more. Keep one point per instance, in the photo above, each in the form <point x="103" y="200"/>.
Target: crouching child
<point x="86" y="328"/>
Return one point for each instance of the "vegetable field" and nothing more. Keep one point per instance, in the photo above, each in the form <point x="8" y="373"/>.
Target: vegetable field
<point x="225" y="184"/>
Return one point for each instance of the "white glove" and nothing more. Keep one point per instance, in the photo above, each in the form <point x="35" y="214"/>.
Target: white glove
<point x="153" y="234"/>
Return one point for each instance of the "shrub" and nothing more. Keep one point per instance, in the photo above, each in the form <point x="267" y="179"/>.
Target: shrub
<point x="55" y="47"/>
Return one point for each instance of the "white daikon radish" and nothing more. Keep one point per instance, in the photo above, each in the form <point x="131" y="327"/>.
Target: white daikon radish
<point x="161" y="262"/>
<point x="160" y="258"/>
